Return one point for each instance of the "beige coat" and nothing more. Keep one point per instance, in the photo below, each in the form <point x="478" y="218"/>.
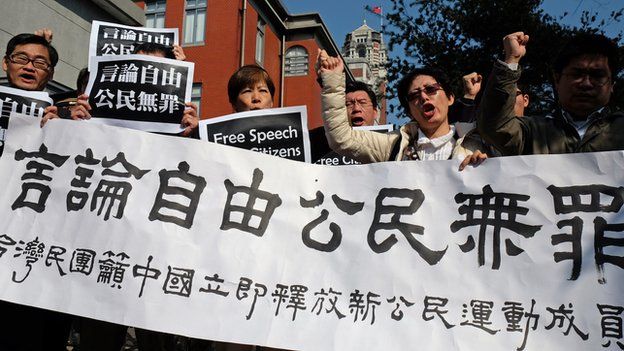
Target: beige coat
<point x="368" y="146"/>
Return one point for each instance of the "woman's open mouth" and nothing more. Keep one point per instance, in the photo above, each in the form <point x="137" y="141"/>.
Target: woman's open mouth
<point x="428" y="110"/>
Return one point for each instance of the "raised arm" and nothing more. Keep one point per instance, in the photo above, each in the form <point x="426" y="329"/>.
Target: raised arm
<point x="465" y="109"/>
<point x="472" y="85"/>
<point x="363" y="146"/>
<point x="496" y="120"/>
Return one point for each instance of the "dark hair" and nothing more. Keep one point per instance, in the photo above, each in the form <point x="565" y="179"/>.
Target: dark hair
<point x="406" y="82"/>
<point x="522" y="86"/>
<point x="28" y="38"/>
<point x="588" y="44"/>
<point x="155" y="48"/>
<point x="82" y="81"/>
<point x="357" y="86"/>
<point x="248" y="76"/>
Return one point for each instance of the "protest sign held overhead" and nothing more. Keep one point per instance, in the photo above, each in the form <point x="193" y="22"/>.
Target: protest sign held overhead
<point x="335" y="159"/>
<point x="140" y="92"/>
<point x="281" y="132"/>
<point x="238" y="246"/>
<point x="111" y="39"/>
<point x="31" y="103"/>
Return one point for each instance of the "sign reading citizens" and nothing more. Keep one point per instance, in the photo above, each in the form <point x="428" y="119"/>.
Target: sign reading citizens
<point x="281" y="132"/>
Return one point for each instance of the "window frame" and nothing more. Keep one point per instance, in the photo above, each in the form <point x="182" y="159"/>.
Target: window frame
<point x="155" y="13"/>
<point x="260" y="41"/>
<point x="195" y="8"/>
<point x="287" y="61"/>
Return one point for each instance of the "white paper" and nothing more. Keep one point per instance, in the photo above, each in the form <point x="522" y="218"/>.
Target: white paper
<point x="390" y="280"/>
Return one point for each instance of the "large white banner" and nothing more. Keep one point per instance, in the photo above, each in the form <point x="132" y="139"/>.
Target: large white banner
<point x="164" y="233"/>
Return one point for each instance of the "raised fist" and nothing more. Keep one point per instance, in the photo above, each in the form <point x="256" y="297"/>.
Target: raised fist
<point x="515" y="46"/>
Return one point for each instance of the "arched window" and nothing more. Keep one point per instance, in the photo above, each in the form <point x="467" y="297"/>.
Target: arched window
<point x="296" y="61"/>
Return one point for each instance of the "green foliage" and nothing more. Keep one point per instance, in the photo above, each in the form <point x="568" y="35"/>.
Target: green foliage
<point x="466" y="35"/>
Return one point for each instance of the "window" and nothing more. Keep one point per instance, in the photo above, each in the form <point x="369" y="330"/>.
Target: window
<point x="195" y="21"/>
<point x="196" y="96"/>
<point x="361" y="49"/>
<point x="260" y="42"/>
<point x="296" y="61"/>
<point x="155" y="13"/>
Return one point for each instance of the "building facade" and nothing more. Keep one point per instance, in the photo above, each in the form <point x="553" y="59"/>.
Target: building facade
<point x="221" y="36"/>
<point x="366" y="56"/>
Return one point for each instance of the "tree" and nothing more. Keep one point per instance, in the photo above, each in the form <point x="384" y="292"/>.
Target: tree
<point x="466" y="35"/>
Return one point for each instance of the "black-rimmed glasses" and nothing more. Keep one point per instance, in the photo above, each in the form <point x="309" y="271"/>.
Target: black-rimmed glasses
<point x="22" y="59"/>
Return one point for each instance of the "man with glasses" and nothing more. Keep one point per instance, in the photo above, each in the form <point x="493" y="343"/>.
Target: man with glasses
<point x="362" y="110"/>
<point x="29" y="64"/>
<point x="583" y="75"/>
<point x="361" y="104"/>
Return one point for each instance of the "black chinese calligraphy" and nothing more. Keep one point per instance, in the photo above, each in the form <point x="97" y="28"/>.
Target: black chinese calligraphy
<point x="415" y="198"/>
<point x="358" y="306"/>
<point x="593" y="198"/>
<point x="241" y="204"/>
<point x="31" y="251"/>
<point x="145" y="272"/>
<point x="244" y="286"/>
<point x="611" y="324"/>
<point x="498" y="211"/>
<point x="332" y="299"/>
<point x="562" y="316"/>
<point x="37" y="180"/>
<point x="113" y="269"/>
<point x="333" y="243"/>
<point x="173" y="186"/>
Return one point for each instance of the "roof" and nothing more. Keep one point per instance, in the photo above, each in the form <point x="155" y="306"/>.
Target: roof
<point x="364" y="29"/>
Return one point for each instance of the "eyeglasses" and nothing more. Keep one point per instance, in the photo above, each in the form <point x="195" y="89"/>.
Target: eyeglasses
<point x="22" y="59"/>
<point x="430" y="90"/>
<point x="519" y="92"/>
<point x="362" y="102"/>
<point x="596" y="77"/>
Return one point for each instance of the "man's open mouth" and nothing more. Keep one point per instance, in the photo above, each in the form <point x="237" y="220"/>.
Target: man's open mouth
<point x="27" y="77"/>
<point x="357" y="121"/>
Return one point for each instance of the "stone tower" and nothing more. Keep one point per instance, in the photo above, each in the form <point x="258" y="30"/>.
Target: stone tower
<point x="366" y="54"/>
